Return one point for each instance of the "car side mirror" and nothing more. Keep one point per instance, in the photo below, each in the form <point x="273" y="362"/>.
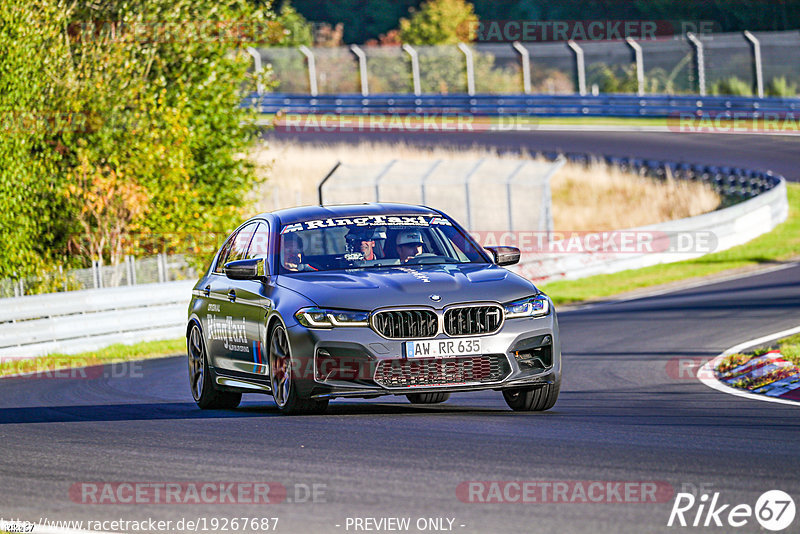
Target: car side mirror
<point x="253" y="269"/>
<point x="504" y="255"/>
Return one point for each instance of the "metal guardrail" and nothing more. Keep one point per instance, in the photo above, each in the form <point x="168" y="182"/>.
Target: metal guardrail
<point x="606" y="105"/>
<point x="132" y="271"/>
<point x="80" y="321"/>
<point x="754" y="203"/>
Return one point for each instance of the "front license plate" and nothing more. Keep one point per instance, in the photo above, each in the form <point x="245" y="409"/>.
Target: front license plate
<point x="443" y="348"/>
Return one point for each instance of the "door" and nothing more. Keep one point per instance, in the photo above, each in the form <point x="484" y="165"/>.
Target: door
<point x="225" y="316"/>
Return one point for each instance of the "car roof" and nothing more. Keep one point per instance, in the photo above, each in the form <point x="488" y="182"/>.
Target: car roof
<point x="308" y="213"/>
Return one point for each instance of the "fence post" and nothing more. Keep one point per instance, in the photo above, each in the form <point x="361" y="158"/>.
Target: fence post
<point x="380" y="176"/>
<point x="580" y="67"/>
<point x="330" y="173"/>
<point x="509" y="203"/>
<point x="160" y="265"/>
<point x="362" y="68"/>
<point x="414" y="68"/>
<point x="758" y="73"/>
<point x="547" y="212"/>
<point x="95" y="274"/>
<point x="129" y="269"/>
<point x="699" y="62"/>
<point x="467" y="179"/>
<point x="525" y="57"/>
<point x="312" y="69"/>
<point x="470" y="68"/>
<point x="257" y="68"/>
<point x="425" y="177"/>
<point x="638" y="57"/>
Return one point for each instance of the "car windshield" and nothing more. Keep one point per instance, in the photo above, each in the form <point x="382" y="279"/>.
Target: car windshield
<point x="374" y="241"/>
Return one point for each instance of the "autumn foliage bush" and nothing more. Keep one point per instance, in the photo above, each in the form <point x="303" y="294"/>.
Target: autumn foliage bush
<point x="122" y="125"/>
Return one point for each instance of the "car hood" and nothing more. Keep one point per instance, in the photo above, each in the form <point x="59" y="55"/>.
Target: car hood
<point x="368" y="289"/>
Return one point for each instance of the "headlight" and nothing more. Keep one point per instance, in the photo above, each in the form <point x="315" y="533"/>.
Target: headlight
<point x="537" y="306"/>
<point x="321" y="318"/>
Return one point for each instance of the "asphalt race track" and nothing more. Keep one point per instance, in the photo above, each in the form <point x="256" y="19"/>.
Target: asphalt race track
<point x="622" y="416"/>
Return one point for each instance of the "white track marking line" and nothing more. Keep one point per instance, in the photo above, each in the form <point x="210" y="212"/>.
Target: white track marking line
<point x="706" y="373"/>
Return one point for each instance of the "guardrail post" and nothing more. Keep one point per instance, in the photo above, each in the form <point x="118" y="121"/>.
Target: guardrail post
<point x="758" y="73"/>
<point x="312" y="69"/>
<point x="639" y="59"/>
<point x="379" y="177"/>
<point x="362" y="68"/>
<point x="425" y="177"/>
<point x="699" y="62"/>
<point x="580" y="67"/>
<point x="525" y="57"/>
<point x="414" y="68"/>
<point x="470" y="68"/>
<point x="257" y="68"/>
<point x="467" y="179"/>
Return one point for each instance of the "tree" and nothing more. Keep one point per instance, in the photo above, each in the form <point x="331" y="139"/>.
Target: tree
<point x="440" y="22"/>
<point x="296" y="29"/>
<point x="123" y="136"/>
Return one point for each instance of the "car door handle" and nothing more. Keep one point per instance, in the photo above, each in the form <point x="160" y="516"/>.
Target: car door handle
<point x="207" y="291"/>
<point x="232" y="295"/>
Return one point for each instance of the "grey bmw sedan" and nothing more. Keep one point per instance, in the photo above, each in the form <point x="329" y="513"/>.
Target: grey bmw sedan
<point x="314" y="303"/>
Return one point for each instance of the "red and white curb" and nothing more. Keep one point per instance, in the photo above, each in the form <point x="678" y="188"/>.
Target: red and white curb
<point x="707" y="376"/>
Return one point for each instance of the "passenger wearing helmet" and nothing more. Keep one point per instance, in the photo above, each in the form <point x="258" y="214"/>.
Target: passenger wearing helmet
<point x="409" y="244"/>
<point x="363" y="240"/>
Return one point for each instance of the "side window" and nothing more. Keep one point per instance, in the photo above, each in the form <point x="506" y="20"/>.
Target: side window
<point x="259" y="245"/>
<point x="241" y="242"/>
<point x="235" y="248"/>
<point x="222" y="258"/>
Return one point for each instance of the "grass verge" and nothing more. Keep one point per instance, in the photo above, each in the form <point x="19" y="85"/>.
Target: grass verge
<point x="781" y="244"/>
<point x="107" y="355"/>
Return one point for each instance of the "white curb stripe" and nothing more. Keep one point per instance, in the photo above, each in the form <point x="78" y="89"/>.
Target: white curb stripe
<point x="706" y="373"/>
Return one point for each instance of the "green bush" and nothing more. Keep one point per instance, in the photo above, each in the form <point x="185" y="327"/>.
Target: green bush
<point x="780" y="87"/>
<point x="609" y="79"/>
<point x="731" y="86"/>
<point x="440" y="22"/>
<point x="130" y="141"/>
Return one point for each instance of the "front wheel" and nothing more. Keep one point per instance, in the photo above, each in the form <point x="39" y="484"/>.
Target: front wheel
<point x="427" y="398"/>
<point x="201" y="379"/>
<point x="282" y="379"/>
<point x="537" y="399"/>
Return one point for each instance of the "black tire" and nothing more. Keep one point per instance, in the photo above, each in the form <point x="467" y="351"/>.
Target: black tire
<point x="427" y="398"/>
<point x="536" y="399"/>
<point x="201" y="377"/>
<point x="283" y="384"/>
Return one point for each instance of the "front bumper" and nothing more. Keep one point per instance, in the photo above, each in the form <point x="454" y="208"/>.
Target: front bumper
<point x="352" y="361"/>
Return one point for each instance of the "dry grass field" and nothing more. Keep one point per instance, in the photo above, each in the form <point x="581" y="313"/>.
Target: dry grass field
<point x="593" y="198"/>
